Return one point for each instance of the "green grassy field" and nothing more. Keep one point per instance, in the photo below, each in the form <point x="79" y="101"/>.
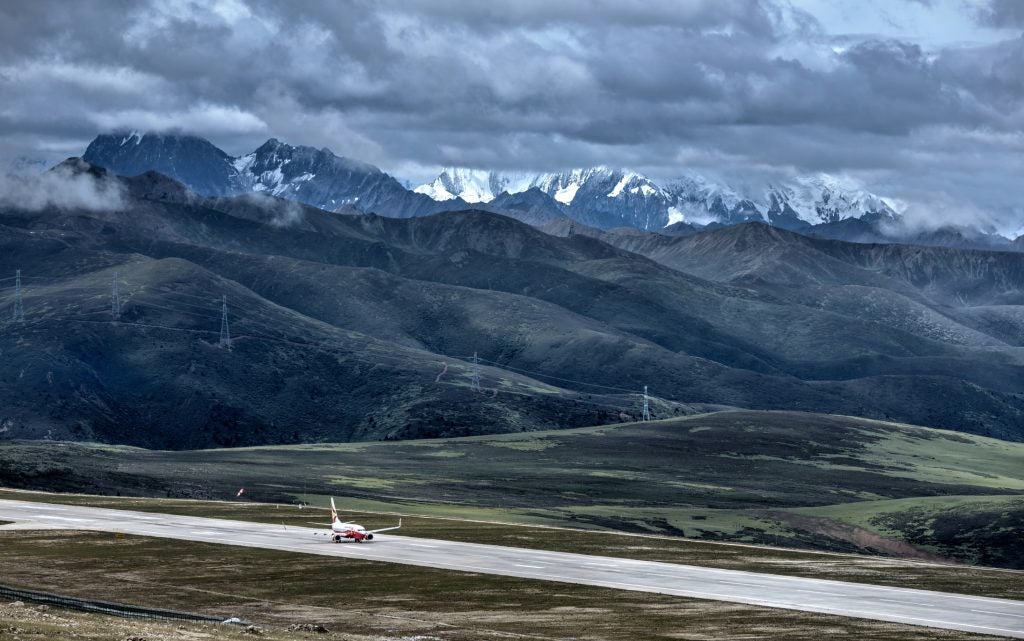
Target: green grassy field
<point x="358" y="599"/>
<point x="778" y="478"/>
<point x="877" y="570"/>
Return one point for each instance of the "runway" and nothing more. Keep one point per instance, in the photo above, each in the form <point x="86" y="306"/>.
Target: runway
<point x="901" y="605"/>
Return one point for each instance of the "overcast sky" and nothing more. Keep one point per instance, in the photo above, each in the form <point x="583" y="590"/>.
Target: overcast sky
<point x="922" y="100"/>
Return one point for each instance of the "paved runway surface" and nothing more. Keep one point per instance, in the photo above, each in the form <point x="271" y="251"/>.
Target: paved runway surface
<point x="917" y="607"/>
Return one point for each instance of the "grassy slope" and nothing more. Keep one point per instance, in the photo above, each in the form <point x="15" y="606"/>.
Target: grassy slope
<point x="387" y="601"/>
<point x="738" y="476"/>
<point x="730" y="556"/>
<point x="459" y="283"/>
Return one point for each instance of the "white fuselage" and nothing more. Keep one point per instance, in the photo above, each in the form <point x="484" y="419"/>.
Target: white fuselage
<point x="341" y="528"/>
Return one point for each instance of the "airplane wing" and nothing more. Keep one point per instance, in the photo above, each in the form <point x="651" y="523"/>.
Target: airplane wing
<point x="387" y="529"/>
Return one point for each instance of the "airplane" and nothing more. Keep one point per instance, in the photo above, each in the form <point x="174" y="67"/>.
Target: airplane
<point x="352" y="531"/>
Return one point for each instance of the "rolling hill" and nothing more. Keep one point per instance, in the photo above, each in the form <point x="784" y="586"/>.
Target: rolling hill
<point x="801" y="480"/>
<point x="358" y="327"/>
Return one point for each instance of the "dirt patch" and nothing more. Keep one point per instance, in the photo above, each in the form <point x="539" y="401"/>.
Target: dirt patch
<point x="858" y="536"/>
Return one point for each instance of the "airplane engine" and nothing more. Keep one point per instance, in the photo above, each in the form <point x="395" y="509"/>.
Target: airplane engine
<point x="369" y="537"/>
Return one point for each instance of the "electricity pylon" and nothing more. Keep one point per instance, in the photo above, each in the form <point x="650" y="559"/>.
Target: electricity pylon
<point x="475" y="383"/>
<point x="225" y="330"/>
<point x="115" y="301"/>
<point x="19" y="306"/>
<point x="647" y="407"/>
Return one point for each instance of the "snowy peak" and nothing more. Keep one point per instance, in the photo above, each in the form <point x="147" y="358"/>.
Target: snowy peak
<point x="313" y="176"/>
<point x="632" y="183"/>
<point x="823" y="198"/>
<point x="601" y="197"/>
<point x="473" y="185"/>
<point x="605" y="197"/>
<point x="482" y="186"/>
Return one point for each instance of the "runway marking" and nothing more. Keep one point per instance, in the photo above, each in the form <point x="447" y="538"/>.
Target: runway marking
<point x="749" y="585"/>
<point x="819" y="592"/>
<point x="61" y="518"/>
<point x="420" y="545"/>
<point x="925" y="605"/>
<point x="534" y="567"/>
<point x="1005" y="614"/>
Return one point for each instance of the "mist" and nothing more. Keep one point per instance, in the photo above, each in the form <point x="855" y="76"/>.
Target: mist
<point x="64" y="187"/>
<point x="281" y="212"/>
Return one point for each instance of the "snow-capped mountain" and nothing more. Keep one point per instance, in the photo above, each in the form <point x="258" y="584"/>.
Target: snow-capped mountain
<point x="696" y="200"/>
<point x="821" y="198"/>
<point x="605" y="198"/>
<point x="474" y="185"/>
<point x="312" y="176"/>
<point x="191" y="160"/>
<point x="600" y="197"/>
<point x="597" y="196"/>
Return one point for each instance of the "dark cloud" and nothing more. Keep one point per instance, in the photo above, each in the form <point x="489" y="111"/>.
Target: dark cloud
<point x="732" y="86"/>
<point x="1002" y="13"/>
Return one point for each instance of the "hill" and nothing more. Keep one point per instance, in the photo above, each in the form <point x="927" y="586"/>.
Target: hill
<point x="358" y="327"/>
<point x="803" y="480"/>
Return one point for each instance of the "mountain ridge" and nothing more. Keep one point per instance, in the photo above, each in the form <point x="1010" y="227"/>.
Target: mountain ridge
<point x="638" y="201"/>
<point x="372" y="311"/>
<point x="601" y="197"/>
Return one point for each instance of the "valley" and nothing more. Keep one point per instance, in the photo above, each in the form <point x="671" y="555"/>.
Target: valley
<point x="452" y="321"/>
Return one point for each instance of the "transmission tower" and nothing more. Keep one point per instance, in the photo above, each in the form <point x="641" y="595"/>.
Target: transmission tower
<point x="225" y="331"/>
<point x="572" y="229"/>
<point x="647" y="407"/>
<point x="475" y="383"/>
<point x="19" y="306"/>
<point x="115" y="301"/>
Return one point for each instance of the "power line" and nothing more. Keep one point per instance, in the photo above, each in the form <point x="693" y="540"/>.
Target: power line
<point x="557" y="378"/>
<point x="326" y="346"/>
<point x="553" y="397"/>
<point x="377" y="357"/>
<point x="569" y="380"/>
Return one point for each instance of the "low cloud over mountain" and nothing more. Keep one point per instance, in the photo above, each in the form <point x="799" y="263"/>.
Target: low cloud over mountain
<point x="922" y="101"/>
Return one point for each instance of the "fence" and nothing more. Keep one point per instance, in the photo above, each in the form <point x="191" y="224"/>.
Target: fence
<point x="105" y="607"/>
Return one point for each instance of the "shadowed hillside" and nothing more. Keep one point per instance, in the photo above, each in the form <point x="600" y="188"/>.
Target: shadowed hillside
<point x="358" y="327"/>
